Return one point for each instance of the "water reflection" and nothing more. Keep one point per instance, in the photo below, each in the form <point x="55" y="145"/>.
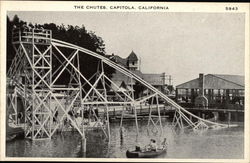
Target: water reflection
<point x="224" y="143"/>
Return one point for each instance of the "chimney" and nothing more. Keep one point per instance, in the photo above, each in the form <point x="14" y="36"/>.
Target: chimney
<point x="163" y="78"/>
<point x="201" y="84"/>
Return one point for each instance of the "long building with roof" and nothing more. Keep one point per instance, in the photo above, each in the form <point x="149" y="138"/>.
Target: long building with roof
<point x="212" y="90"/>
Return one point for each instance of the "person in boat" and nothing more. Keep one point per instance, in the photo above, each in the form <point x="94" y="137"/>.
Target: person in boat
<point x="138" y="147"/>
<point x="152" y="145"/>
<point x="164" y="143"/>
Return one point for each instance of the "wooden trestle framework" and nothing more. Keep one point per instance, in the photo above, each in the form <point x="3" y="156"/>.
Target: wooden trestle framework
<point x="32" y="77"/>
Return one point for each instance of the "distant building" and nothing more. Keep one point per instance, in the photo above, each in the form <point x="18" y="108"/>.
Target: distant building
<point x="212" y="90"/>
<point x="132" y="64"/>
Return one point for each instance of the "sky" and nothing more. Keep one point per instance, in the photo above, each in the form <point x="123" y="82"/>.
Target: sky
<point x="180" y="44"/>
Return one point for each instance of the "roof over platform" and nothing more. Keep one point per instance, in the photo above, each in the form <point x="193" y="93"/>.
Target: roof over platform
<point x="216" y="81"/>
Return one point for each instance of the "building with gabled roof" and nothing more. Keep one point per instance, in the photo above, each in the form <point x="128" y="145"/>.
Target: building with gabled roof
<point x="220" y="90"/>
<point x="131" y="63"/>
<point x="216" y="81"/>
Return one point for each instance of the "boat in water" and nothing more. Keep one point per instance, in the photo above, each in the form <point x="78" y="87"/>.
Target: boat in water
<point x="139" y="153"/>
<point x="145" y="154"/>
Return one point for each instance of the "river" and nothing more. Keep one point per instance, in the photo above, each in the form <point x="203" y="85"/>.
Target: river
<point x="227" y="143"/>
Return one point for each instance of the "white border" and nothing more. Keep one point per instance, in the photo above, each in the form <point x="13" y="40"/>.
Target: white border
<point x="69" y="6"/>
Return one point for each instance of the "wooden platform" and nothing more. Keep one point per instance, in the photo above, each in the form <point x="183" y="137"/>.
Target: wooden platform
<point x="216" y="110"/>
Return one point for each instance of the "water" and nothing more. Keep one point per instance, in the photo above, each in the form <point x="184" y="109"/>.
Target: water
<point x="225" y="143"/>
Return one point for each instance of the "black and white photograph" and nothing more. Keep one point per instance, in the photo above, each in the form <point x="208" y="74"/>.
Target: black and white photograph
<point x="142" y="81"/>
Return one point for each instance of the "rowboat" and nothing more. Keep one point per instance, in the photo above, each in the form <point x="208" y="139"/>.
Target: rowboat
<point x="138" y="153"/>
<point x="145" y="154"/>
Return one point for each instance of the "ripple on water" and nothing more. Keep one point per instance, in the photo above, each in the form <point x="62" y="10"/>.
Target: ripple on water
<point x="224" y="143"/>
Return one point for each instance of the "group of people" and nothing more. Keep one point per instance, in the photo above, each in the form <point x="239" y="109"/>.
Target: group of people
<point x="29" y="28"/>
<point x="33" y="33"/>
<point x="152" y="146"/>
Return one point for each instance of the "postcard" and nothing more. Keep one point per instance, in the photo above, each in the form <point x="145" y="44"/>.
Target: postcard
<point x="124" y="81"/>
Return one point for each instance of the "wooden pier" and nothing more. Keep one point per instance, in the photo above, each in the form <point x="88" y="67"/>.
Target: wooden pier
<point x="167" y="111"/>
